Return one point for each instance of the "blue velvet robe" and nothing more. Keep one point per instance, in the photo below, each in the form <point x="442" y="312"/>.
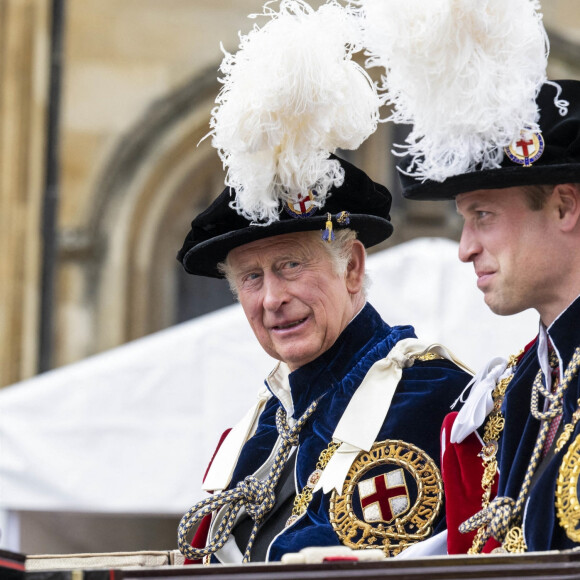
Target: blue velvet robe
<point x="542" y="530"/>
<point x="423" y="397"/>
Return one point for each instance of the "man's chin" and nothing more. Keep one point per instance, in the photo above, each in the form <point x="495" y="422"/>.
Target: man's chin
<point x="501" y="308"/>
<point x="296" y="358"/>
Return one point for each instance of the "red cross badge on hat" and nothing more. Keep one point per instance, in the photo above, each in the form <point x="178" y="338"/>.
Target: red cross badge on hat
<point x="302" y="206"/>
<point x="385" y="497"/>
<point x="526" y="149"/>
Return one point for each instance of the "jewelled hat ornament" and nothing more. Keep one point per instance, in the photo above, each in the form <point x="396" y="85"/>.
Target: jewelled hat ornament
<point x="467" y="77"/>
<point x="291" y="97"/>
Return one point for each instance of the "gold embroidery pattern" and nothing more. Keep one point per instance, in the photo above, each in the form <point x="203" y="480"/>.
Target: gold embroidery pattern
<point x="429" y="356"/>
<point x="568" y="429"/>
<point x="410" y="526"/>
<point x="567" y="503"/>
<point x="514" y="542"/>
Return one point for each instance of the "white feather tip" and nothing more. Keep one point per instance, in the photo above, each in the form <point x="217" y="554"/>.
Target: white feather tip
<point x="464" y="73"/>
<point x="291" y="96"/>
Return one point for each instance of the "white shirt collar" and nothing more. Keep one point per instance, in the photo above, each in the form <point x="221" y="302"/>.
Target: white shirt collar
<point x="543" y="357"/>
<point x="279" y="385"/>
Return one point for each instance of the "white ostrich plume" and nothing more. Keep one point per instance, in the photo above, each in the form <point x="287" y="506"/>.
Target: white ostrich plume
<point x="291" y="96"/>
<point x="464" y="73"/>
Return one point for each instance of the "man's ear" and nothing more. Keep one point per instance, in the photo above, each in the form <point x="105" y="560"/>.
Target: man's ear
<point x="355" y="271"/>
<point x="567" y="199"/>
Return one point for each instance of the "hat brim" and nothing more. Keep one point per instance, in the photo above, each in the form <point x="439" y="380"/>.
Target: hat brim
<point x="203" y="258"/>
<point x="492" y="179"/>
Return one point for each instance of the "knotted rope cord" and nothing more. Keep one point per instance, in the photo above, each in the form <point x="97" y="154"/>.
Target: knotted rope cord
<point x="503" y="513"/>
<point x="556" y="398"/>
<point x="257" y="496"/>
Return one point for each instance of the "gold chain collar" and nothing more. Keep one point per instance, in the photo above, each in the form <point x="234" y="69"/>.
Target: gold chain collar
<point x="514" y="540"/>
<point x="303" y="499"/>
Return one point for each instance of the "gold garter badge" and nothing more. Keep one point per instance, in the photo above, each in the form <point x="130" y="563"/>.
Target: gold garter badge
<point x="526" y="149"/>
<point x="390" y="498"/>
<point x="567" y="503"/>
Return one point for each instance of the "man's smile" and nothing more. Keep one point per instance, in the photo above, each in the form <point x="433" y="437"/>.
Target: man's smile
<point x="288" y="325"/>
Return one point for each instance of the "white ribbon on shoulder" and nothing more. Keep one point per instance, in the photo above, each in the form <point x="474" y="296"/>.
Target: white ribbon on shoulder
<point x="222" y="467"/>
<point x="365" y="414"/>
<point x="479" y="403"/>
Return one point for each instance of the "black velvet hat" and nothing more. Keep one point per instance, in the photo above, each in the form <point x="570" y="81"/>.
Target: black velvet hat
<point x="550" y="158"/>
<point x="359" y="203"/>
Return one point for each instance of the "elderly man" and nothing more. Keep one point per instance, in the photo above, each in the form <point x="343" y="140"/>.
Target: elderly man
<point x="342" y="448"/>
<point x="521" y="232"/>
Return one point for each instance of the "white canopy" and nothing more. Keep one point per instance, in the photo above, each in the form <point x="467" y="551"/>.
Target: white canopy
<point x="131" y="430"/>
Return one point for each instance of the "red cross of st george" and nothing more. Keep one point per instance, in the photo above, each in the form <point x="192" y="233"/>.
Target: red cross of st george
<point x="524" y="146"/>
<point x="302" y="202"/>
<point x="382" y="495"/>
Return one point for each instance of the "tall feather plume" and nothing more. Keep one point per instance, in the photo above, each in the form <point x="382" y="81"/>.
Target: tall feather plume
<point x="291" y="95"/>
<point x="464" y="73"/>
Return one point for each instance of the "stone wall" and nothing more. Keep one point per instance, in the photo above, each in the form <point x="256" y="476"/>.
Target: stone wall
<point x="24" y="54"/>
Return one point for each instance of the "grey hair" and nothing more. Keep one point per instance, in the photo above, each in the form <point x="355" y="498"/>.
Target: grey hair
<point x="339" y="251"/>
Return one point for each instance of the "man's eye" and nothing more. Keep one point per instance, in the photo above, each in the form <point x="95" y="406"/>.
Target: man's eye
<point x="251" y="277"/>
<point x="292" y="264"/>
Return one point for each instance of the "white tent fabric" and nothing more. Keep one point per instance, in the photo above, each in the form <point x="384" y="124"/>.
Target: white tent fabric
<point x="422" y="282"/>
<point x="131" y="430"/>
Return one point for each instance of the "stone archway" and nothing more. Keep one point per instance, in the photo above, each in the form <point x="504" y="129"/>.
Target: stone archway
<point x="156" y="179"/>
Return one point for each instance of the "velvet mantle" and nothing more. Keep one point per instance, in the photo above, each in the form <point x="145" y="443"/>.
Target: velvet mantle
<point x="422" y="399"/>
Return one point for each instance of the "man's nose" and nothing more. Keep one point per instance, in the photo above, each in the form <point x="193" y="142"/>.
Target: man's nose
<point x="469" y="246"/>
<point x="275" y="291"/>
